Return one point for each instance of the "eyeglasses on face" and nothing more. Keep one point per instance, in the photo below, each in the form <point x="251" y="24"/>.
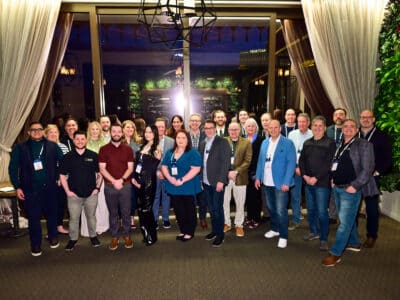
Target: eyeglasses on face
<point x="36" y="129"/>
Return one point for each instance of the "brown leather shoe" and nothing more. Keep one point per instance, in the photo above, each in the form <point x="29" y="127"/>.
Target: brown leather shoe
<point x="331" y="260"/>
<point x="203" y="224"/>
<point x="128" y="242"/>
<point x="114" y="244"/>
<point x="369" y="242"/>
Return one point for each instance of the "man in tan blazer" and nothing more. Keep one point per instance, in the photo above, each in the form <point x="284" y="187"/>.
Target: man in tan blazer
<point x="241" y="153"/>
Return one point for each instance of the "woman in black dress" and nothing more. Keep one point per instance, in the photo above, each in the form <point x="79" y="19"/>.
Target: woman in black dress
<point x="144" y="179"/>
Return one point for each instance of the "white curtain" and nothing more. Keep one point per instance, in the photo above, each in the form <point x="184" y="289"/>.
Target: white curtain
<point x="26" y="32"/>
<point x="344" y="39"/>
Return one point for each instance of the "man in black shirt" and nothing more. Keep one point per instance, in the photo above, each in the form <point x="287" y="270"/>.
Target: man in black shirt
<point x="81" y="180"/>
<point x="314" y="163"/>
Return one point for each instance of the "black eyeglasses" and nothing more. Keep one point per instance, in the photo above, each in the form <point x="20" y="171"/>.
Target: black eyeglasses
<point x="36" y="129"/>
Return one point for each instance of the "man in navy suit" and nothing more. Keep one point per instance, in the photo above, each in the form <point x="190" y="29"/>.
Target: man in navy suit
<point x="215" y="152"/>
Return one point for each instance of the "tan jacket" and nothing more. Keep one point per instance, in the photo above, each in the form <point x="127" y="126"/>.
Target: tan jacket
<point x="242" y="159"/>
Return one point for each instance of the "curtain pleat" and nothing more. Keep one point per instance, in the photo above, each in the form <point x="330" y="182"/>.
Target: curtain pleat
<point x="344" y="40"/>
<point x="56" y="55"/>
<point x="26" y="32"/>
<point x="301" y="57"/>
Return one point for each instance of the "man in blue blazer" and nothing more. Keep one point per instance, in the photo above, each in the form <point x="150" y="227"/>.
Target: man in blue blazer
<point x="275" y="171"/>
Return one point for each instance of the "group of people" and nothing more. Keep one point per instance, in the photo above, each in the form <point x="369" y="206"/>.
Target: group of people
<point x="110" y="171"/>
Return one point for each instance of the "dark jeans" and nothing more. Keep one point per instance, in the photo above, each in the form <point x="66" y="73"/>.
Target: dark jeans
<point x="185" y="212"/>
<point x="119" y="199"/>
<point x="202" y="202"/>
<point x="38" y="202"/>
<point x="215" y="201"/>
<point x="133" y="200"/>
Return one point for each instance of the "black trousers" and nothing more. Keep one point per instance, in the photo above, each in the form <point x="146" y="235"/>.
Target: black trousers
<point x="185" y="212"/>
<point x="253" y="202"/>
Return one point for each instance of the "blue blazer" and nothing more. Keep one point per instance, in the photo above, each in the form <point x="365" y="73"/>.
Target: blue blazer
<point x="283" y="163"/>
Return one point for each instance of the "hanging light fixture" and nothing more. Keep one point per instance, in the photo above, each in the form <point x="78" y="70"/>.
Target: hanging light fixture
<point x="173" y="21"/>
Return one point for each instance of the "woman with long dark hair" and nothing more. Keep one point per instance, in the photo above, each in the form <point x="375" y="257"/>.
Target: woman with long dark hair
<point x="176" y="124"/>
<point x="181" y="167"/>
<point x="144" y="179"/>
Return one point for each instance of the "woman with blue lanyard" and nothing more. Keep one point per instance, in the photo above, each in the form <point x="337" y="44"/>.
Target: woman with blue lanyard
<point x="181" y="167"/>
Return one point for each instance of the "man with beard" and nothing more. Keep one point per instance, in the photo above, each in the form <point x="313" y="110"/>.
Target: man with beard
<point x="334" y="131"/>
<point x="81" y="180"/>
<point x="116" y="166"/>
<point x="105" y="126"/>
<point x="220" y="121"/>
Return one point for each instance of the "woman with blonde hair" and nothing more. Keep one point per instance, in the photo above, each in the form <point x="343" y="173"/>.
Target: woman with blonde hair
<point x="131" y="138"/>
<point x="130" y="135"/>
<point x="52" y="133"/>
<point x="95" y="140"/>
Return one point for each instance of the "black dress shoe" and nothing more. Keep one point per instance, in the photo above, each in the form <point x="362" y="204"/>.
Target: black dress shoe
<point x="218" y="242"/>
<point x="210" y="236"/>
<point x="369" y="242"/>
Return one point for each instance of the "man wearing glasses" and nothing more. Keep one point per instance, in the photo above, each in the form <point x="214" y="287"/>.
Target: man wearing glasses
<point x="33" y="173"/>
<point x="383" y="164"/>
<point x="215" y="152"/>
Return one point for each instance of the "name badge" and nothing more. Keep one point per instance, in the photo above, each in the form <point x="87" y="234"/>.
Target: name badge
<point x="232" y="159"/>
<point x="37" y="165"/>
<point x="138" y="168"/>
<point x="174" y="170"/>
<point x="334" y="166"/>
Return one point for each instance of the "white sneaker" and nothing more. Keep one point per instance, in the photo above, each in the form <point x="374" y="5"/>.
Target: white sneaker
<point x="282" y="243"/>
<point x="270" y="234"/>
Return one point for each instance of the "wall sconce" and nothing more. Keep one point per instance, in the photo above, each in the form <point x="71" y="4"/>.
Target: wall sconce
<point x="259" y="82"/>
<point x="67" y="71"/>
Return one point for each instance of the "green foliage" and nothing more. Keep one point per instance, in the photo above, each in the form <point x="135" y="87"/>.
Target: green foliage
<point x="134" y="97"/>
<point x="390" y="182"/>
<point x="164" y="83"/>
<point x="387" y="103"/>
<point x="149" y="85"/>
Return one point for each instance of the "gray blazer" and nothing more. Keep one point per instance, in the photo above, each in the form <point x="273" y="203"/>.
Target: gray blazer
<point x="168" y="144"/>
<point x="362" y="156"/>
<point x="218" y="161"/>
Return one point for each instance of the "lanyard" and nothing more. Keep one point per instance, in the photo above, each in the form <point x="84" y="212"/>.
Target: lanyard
<point x="340" y="136"/>
<point x="337" y="157"/>
<point x="370" y="136"/>
<point x="40" y="153"/>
